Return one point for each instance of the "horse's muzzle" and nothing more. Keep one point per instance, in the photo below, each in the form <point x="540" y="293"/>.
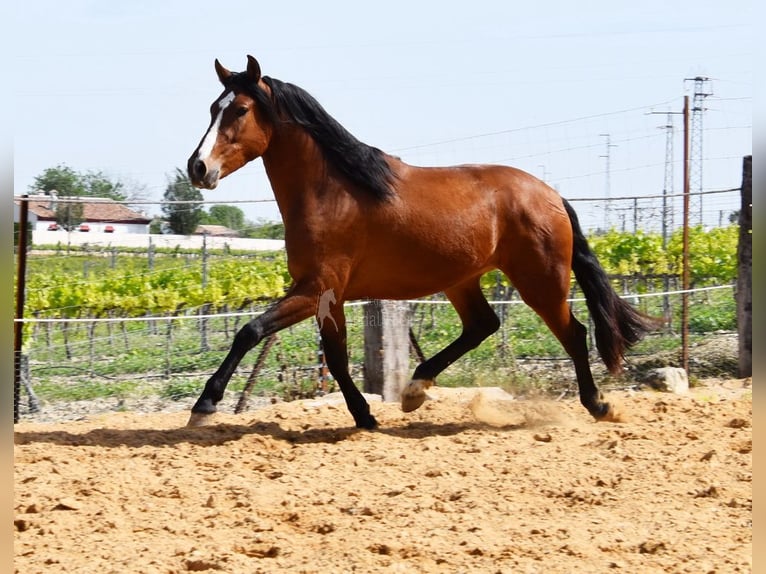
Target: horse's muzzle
<point x="200" y="176"/>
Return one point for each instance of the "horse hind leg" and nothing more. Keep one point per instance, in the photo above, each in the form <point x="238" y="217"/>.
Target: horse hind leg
<point x="479" y="322"/>
<point x="547" y="297"/>
<point x="573" y="338"/>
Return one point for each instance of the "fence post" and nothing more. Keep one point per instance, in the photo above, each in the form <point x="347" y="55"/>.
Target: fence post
<point x="744" y="292"/>
<point x="21" y="278"/>
<point x="386" y="348"/>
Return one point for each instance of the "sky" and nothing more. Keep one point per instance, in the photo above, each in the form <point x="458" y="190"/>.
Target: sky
<point x="573" y="92"/>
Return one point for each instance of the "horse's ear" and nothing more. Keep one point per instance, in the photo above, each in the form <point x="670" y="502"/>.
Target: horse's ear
<point x="253" y="69"/>
<point x="223" y="73"/>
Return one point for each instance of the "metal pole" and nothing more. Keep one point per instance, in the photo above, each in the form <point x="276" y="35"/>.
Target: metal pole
<point x="685" y="270"/>
<point x="635" y="215"/>
<point x="323" y="371"/>
<point x="18" y="326"/>
<point x="204" y="310"/>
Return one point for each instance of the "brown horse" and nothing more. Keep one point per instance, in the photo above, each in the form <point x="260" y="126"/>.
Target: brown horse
<point x="365" y="224"/>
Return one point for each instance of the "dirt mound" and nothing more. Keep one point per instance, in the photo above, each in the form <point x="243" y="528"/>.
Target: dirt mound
<point x="471" y="482"/>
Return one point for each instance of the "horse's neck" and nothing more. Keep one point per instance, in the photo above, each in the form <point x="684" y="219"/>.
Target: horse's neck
<point x="296" y="170"/>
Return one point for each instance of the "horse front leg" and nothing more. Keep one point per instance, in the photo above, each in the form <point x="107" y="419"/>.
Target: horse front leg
<point x="332" y="328"/>
<point x="298" y="304"/>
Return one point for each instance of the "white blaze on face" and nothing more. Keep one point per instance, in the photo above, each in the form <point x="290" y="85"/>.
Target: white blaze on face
<point x="206" y="147"/>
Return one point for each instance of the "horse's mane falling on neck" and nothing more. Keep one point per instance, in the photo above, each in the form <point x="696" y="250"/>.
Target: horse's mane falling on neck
<point x="364" y="165"/>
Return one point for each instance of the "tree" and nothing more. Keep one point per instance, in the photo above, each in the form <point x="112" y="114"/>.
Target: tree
<point x="67" y="182"/>
<point x="228" y="215"/>
<point x="183" y="218"/>
<point x="98" y="185"/>
<point x="60" y="179"/>
<point x="69" y="215"/>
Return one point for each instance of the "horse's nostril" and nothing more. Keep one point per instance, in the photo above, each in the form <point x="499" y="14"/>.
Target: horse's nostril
<point x="199" y="169"/>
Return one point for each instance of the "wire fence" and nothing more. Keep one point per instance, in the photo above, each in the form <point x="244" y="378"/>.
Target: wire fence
<point x="172" y="356"/>
<point x="69" y="354"/>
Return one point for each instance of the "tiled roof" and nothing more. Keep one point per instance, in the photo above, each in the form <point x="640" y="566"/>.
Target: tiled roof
<point x="94" y="209"/>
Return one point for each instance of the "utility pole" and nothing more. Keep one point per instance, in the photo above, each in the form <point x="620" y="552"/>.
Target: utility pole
<point x="668" y="222"/>
<point x="668" y="185"/>
<point x="702" y="90"/>
<point x="667" y="211"/>
<point x="608" y="157"/>
<point x="669" y="181"/>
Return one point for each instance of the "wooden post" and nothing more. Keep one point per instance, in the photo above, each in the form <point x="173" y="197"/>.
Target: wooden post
<point x="744" y="293"/>
<point x="386" y="348"/>
<point x="251" y="380"/>
<point x="21" y="282"/>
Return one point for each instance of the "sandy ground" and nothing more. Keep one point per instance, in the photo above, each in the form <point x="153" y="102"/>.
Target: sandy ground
<point x="471" y="482"/>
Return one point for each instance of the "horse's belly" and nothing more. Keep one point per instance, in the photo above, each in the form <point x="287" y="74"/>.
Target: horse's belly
<point x="415" y="270"/>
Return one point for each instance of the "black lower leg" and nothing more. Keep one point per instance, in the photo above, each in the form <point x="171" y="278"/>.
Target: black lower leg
<point x="247" y="338"/>
<point x="336" y="355"/>
<point x="468" y="340"/>
<point x="430" y="368"/>
<point x="297" y="305"/>
<point x="590" y="397"/>
<point x="356" y="404"/>
<point x="479" y="322"/>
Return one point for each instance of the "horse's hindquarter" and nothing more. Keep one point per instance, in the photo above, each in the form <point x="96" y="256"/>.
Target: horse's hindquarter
<point x="446" y="225"/>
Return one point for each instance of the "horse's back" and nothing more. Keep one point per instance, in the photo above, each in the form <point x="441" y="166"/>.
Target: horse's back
<point x="516" y="188"/>
<point x="446" y="225"/>
<point x="504" y="199"/>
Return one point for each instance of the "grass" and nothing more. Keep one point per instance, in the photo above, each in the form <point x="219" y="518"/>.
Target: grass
<point x="82" y="390"/>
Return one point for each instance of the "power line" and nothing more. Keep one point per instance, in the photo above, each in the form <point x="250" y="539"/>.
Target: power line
<point x="537" y="126"/>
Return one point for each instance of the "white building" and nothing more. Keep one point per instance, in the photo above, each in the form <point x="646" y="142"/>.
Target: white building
<point x="109" y="223"/>
<point x="100" y="215"/>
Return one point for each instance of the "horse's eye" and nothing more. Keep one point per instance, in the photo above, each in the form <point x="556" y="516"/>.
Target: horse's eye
<point x="241" y="111"/>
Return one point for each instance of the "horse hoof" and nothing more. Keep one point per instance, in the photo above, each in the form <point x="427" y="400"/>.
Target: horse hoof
<point x="607" y="413"/>
<point x="368" y="423"/>
<point x="414" y="394"/>
<point x="200" y="419"/>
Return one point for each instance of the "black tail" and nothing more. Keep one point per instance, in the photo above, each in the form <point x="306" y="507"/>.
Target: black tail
<point x="618" y="325"/>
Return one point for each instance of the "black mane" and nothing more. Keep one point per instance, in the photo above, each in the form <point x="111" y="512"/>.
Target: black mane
<point x="362" y="164"/>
